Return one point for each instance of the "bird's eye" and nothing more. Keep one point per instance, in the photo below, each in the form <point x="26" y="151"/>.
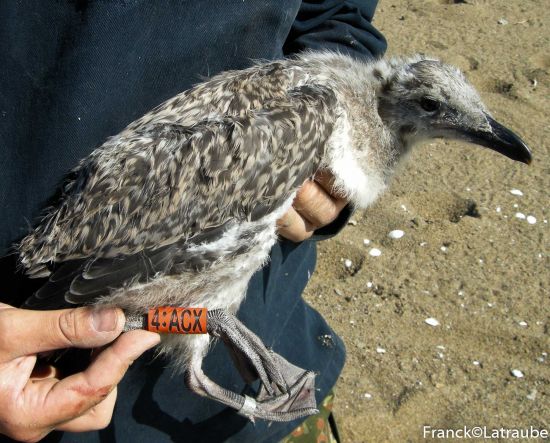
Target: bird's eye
<point x="430" y="105"/>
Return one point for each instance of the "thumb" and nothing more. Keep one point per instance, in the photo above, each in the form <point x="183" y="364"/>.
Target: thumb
<point x="26" y="332"/>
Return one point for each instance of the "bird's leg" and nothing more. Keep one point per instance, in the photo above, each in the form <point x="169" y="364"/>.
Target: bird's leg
<point x="247" y="350"/>
<point x="286" y="393"/>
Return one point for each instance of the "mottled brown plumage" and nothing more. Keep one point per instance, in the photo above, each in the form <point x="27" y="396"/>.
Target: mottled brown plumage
<point x="180" y="207"/>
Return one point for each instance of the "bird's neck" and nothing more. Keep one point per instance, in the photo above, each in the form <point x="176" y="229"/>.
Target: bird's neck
<point x="363" y="150"/>
<point x="361" y="174"/>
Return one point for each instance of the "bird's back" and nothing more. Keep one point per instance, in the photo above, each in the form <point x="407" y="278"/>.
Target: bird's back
<point x="228" y="152"/>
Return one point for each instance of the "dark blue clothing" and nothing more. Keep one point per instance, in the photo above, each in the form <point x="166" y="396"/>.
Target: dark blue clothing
<point x="74" y="72"/>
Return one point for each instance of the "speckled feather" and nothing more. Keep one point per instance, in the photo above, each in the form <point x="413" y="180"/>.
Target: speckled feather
<point x="180" y="208"/>
<point x="179" y="176"/>
<point x="196" y="184"/>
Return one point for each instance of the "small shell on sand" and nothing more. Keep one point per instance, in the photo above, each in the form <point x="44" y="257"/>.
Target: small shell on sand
<point x="348" y="263"/>
<point x="520" y="215"/>
<point x="375" y="252"/>
<point x="531" y="220"/>
<point x="380" y="350"/>
<point x="366" y="241"/>
<point x="431" y="321"/>
<point x="516" y="373"/>
<point x="516" y="192"/>
<point x="396" y="233"/>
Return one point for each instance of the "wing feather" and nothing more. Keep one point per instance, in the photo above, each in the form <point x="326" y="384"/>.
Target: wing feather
<point x="168" y="184"/>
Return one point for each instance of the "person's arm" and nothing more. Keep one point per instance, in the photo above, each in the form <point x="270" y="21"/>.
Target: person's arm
<point x="343" y="26"/>
<point x="34" y="403"/>
<point x="337" y="25"/>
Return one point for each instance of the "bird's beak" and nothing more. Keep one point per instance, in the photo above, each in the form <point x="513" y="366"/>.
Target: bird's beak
<point x="501" y="139"/>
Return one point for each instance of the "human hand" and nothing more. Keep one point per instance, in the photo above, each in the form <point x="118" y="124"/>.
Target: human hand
<point x="316" y="205"/>
<point x="32" y="404"/>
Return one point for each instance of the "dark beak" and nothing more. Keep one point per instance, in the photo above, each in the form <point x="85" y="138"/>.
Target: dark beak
<point x="503" y="140"/>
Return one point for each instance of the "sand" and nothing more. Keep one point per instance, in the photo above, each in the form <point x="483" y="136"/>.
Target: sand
<point x="465" y="259"/>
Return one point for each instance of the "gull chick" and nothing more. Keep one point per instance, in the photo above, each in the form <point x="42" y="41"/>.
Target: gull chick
<point x="180" y="208"/>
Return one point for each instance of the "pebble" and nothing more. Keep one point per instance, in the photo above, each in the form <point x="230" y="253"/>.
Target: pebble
<point x="403" y="207"/>
<point x="531" y="220"/>
<point x="520" y="215"/>
<point x="352" y="222"/>
<point x="443" y="249"/>
<point x="380" y="350"/>
<point x="440" y="347"/>
<point x="431" y="321"/>
<point x="348" y="263"/>
<point x="498" y="208"/>
<point x="476" y="363"/>
<point x="516" y="373"/>
<point x="366" y="241"/>
<point x="367" y="395"/>
<point x="532" y="395"/>
<point x="522" y="323"/>
<point x="516" y="192"/>
<point x="369" y="284"/>
<point x="396" y="233"/>
<point x="375" y="252"/>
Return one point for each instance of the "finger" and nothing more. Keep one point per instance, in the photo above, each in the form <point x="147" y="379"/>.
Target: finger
<point x="5" y="306"/>
<point x="327" y="181"/>
<point x="14" y="375"/>
<point x="74" y="395"/>
<point x="95" y="418"/>
<point x="25" y="332"/>
<point x="43" y="370"/>
<point x="294" y="227"/>
<point x="314" y="204"/>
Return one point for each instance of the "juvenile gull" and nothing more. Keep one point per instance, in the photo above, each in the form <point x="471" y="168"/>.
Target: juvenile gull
<point x="180" y="208"/>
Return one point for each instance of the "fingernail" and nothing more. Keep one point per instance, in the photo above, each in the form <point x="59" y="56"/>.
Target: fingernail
<point x="105" y="319"/>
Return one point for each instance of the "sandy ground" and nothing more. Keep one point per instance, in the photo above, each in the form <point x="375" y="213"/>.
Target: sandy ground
<point x="479" y="270"/>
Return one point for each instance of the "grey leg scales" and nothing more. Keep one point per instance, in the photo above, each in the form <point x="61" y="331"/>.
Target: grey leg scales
<point x="286" y="391"/>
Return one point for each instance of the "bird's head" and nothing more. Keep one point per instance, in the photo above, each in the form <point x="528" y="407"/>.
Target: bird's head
<point x="422" y="99"/>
